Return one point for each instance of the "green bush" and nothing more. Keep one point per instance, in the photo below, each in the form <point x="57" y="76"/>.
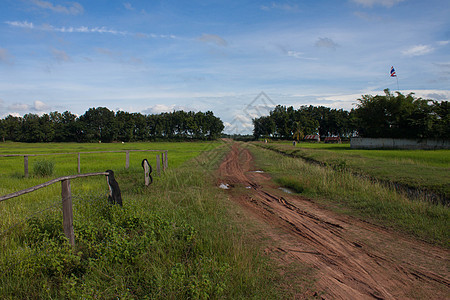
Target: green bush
<point x="43" y="168"/>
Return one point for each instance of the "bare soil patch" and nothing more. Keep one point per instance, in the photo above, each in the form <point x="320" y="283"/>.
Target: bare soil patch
<point x="352" y="259"/>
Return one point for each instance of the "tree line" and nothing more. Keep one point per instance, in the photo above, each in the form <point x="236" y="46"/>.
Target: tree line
<point x="380" y="116"/>
<point x="102" y="124"/>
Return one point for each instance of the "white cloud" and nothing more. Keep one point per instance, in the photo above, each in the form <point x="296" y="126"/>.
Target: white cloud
<point x="86" y="29"/>
<point x="19" y="107"/>
<point x="326" y="43"/>
<point x="60" y="55"/>
<point x="241" y="124"/>
<point x="370" y="3"/>
<point x="23" y="24"/>
<point x="437" y="96"/>
<point x="40" y="106"/>
<point x="80" y="29"/>
<point x="72" y="8"/>
<point x="213" y="38"/>
<point x="298" y="55"/>
<point x="418" y="50"/>
<point x="443" y="43"/>
<point x="37" y="106"/>
<point x="160" y="108"/>
<point x="14" y="114"/>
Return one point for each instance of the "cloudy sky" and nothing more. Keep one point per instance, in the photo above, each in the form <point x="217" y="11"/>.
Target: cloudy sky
<point x="236" y="58"/>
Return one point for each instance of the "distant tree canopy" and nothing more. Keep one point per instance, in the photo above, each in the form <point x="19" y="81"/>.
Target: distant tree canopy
<point x="101" y="124"/>
<point x="385" y="116"/>
<point x="402" y="117"/>
<point x="288" y="123"/>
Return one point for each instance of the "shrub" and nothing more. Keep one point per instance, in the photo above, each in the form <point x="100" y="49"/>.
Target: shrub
<point x="42" y="168"/>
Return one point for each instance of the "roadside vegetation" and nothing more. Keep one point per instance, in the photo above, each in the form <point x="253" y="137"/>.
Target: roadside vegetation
<point x="176" y="239"/>
<point x="426" y="170"/>
<point x="339" y="189"/>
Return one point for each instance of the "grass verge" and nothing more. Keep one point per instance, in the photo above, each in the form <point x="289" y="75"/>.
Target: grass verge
<point x="176" y="239"/>
<point x="357" y="196"/>
<point x="426" y="170"/>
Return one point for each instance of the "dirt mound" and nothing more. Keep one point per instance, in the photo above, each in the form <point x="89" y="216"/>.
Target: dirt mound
<point x="353" y="259"/>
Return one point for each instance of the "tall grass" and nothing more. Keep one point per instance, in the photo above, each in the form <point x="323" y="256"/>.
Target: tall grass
<point x="177" y="239"/>
<point x="43" y="168"/>
<point x="426" y="170"/>
<point x="359" y="196"/>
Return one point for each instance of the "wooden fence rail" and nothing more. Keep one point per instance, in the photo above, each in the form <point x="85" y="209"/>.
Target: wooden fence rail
<point x="66" y="196"/>
<point x="165" y="161"/>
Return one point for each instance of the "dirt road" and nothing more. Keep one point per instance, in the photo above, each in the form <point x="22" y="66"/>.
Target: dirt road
<point x="352" y="259"/>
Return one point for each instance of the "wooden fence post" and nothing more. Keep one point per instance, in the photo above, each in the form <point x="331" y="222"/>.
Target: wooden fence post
<point x="147" y="175"/>
<point x="158" y="165"/>
<point x="79" y="163"/>
<point x="25" y="165"/>
<point x="67" y="211"/>
<point x="127" y="161"/>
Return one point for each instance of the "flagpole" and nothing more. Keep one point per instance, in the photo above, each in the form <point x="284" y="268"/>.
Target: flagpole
<point x="398" y="88"/>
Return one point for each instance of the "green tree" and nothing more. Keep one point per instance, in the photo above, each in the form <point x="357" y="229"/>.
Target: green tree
<point x="401" y="117"/>
<point x="125" y="126"/>
<point x="98" y="124"/>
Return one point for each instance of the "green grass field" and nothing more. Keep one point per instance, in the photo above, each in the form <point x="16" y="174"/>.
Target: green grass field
<point x="421" y="169"/>
<point x="179" y="238"/>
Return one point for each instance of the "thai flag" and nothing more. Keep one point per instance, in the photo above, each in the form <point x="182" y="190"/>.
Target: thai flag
<point x="393" y="72"/>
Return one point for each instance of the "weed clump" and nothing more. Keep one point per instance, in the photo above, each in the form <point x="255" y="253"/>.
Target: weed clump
<point x="43" y="168"/>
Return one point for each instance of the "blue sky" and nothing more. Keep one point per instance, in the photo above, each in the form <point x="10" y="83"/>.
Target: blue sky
<point x="155" y="56"/>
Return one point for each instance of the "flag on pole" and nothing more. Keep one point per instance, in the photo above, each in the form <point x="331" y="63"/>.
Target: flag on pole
<point x="393" y="72"/>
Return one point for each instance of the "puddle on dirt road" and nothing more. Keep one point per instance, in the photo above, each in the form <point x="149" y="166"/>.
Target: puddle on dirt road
<point x="286" y="190"/>
<point x="257" y="171"/>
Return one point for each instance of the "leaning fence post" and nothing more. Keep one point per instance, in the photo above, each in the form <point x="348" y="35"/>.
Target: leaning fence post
<point x="25" y="165"/>
<point x="79" y="163"/>
<point x="127" y="160"/>
<point x="158" y="165"/>
<point x="67" y="211"/>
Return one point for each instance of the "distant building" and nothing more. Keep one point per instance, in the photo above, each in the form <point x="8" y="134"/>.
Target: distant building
<point x="312" y="138"/>
<point x="332" y="140"/>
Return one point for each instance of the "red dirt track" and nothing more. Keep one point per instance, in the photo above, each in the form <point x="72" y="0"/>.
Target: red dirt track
<point x="351" y="259"/>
